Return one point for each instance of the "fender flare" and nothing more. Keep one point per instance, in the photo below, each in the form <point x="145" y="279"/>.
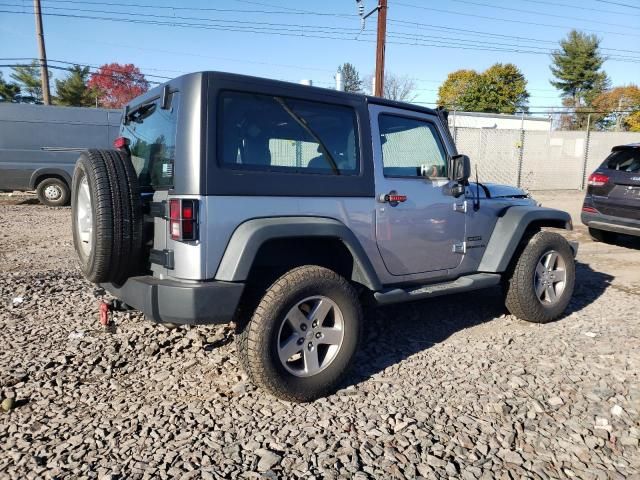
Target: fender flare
<point x="247" y="239"/>
<point x="510" y="228"/>
<point x="49" y="172"/>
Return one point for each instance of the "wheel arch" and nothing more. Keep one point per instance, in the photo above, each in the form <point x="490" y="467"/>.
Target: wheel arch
<point x="274" y="237"/>
<point x="512" y="227"/>
<point x="43" y="173"/>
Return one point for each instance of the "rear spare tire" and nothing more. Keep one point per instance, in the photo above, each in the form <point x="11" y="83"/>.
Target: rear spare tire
<point x="107" y="216"/>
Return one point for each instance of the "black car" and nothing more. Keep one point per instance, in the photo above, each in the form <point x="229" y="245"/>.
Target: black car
<point x="612" y="203"/>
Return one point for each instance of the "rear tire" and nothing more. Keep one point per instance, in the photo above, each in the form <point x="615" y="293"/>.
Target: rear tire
<point x="53" y="192"/>
<point x="602" y="235"/>
<point x="535" y="291"/>
<point x="316" y="350"/>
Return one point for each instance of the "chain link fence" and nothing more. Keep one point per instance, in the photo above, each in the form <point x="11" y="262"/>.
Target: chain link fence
<point x="537" y="160"/>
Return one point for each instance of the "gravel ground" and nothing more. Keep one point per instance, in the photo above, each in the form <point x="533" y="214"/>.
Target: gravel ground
<point x="447" y="388"/>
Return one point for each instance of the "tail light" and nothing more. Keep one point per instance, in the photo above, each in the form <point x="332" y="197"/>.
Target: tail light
<point x="589" y="209"/>
<point x="121" y="142"/>
<point x="183" y="219"/>
<point x="598" y="179"/>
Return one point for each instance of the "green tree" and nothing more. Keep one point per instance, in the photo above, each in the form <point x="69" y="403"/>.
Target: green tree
<point x="351" y="78"/>
<point x="577" y="68"/>
<point x="8" y="89"/>
<point x="501" y="88"/>
<point x="73" y="90"/>
<point x="28" y="77"/>
<point x="456" y="91"/>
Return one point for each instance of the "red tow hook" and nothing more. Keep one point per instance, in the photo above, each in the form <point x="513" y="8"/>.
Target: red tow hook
<point x="105" y="313"/>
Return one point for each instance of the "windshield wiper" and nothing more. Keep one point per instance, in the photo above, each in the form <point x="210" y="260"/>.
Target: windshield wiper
<point x="302" y="122"/>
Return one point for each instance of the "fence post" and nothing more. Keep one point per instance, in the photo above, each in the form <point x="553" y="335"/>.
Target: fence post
<point x="455" y="128"/>
<point x="586" y="153"/>
<point x="521" y="153"/>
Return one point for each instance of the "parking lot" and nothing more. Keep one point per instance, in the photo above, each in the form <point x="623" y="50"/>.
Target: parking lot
<point x="445" y="388"/>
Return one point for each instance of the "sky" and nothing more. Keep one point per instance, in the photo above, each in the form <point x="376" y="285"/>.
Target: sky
<point x="295" y="40"/>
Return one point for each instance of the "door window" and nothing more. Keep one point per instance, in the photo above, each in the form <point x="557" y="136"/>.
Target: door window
<point x="411" y="148"/>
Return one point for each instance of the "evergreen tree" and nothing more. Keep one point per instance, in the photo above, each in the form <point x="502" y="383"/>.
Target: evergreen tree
<point x="351" y="78"/>
<point x="73" y="90"/>
<point x="28" y="77"/>
<point x="577" y="69"/>
<point x="8" y="89"/>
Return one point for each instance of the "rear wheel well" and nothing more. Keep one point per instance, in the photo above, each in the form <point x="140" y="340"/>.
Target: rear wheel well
<point x="277" y="256"/>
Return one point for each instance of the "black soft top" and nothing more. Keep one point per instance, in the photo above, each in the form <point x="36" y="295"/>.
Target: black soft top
<point x="295" y="89"/>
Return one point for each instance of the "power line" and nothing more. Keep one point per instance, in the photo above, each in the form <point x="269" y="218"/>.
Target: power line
<point x="201" y="9"/>
<point x="582" y="7"/>
<point x="321" y="32"/>
<point x="620" y="4"/>
<point x="307" y="30"/>
<point x="294" y="12"/>
<point x="538" y="24"/>
<point x="546" y="14"/>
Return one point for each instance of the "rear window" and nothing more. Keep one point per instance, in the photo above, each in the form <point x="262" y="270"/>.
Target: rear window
<point x="151" y="131"/>
<point x="627" y="160"/>
<point x="263" y="132"/>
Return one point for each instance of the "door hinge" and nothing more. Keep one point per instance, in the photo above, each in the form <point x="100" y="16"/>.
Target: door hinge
<point x="158" y="209"/>
<point x="163" y="258"/>
<point x="460" y="247"/>
<point x="460" y="207"/>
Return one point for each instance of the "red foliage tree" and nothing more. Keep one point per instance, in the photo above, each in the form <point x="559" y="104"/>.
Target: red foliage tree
<point x="117" y="84"/>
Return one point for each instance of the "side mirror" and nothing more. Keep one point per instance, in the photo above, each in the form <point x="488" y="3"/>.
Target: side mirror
<point x="460" y="169"/>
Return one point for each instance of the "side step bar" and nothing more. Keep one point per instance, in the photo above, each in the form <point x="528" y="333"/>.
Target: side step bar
<point x="462" y="284"/>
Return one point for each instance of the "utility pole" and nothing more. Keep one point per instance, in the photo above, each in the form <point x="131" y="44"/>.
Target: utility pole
<point x="380" y="45"/>
<point x="378" y="78"/>
<point x="44" y="71"/>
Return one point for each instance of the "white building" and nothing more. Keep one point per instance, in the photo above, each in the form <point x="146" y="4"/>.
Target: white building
<point x="498" y="121"/>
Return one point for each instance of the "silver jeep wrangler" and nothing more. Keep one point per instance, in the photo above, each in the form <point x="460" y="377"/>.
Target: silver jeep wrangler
<point x="283" y="207"/>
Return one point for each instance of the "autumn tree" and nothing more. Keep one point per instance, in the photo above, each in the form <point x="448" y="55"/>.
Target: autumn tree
<point x="457" y="90"/>
<point x="28" y="78"/>
<point x="73" y="90"/>
<point x="8" y="89"/>
<point x="117" y="84"/>
<point x="502" y="88"/>
<point x="351" y="78"/>
<point x="620" y="107"/>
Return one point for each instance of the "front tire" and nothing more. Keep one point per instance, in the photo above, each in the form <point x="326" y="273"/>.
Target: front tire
<point x="542" y="281"/>
<point x="53" y="192"/>
<point x="303" y="335"/>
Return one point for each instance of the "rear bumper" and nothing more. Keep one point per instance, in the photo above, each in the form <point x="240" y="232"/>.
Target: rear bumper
<point x="609" y="223"/>
<point x="172" y="301"/>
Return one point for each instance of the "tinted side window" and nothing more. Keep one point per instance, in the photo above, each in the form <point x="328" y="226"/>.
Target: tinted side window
<point x="152" y="135"/>
<point x="627" y="160"/>
<point x="411" y="148"/>
<point x="262" y="132"/>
